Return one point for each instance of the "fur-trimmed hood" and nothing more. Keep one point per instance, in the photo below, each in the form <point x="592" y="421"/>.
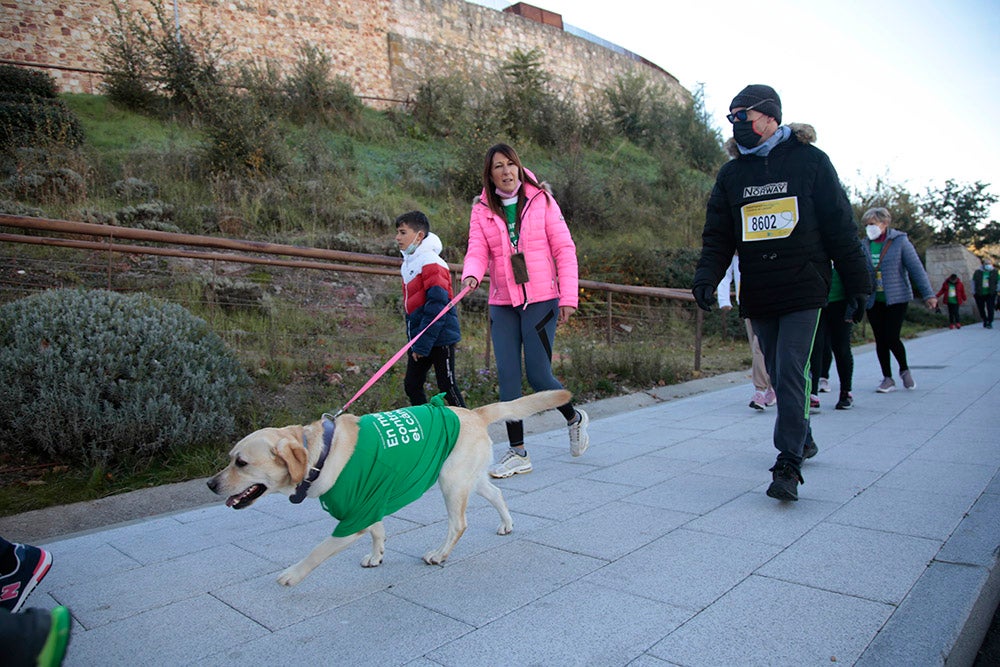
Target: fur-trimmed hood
<point x="804" y="133"/>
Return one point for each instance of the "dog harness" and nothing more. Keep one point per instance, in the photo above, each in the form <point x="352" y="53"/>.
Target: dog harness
<point x="398" y="457"/>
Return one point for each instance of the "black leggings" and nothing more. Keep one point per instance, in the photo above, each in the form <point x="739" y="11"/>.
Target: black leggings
<point x="953" y="317"/>
<point x="833" y="339"/>
<point x="887" y="322"/>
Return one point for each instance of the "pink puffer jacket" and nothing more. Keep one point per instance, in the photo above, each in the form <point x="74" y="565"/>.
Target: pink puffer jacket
<point x="548" y="248"/>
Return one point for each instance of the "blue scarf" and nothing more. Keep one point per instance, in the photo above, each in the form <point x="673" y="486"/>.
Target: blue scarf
<point x="762" y="150"/>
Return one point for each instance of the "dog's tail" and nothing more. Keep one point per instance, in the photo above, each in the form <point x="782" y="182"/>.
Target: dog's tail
<point x="524" y="406"/>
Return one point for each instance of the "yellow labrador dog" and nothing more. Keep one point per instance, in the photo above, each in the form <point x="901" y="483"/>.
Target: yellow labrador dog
<point x="307" y="462"/>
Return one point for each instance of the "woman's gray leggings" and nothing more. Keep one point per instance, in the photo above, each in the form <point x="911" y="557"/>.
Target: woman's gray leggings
<point x="532" y="330"/>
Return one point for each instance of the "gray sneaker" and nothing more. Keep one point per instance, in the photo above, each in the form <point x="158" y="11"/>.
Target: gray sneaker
<point x="512" y="463"/>
<point x="907" y="378"/>
<point x="579" y="439"/>
<point x="888" y="384"/>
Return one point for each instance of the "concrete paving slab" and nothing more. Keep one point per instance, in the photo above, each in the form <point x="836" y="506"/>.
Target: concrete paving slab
<point x="916" y="513"/>
<point x="610" y="531"/>
<point x="209" y="624"/>
<point x="502" y="577"/>
<point x="686" y="568"/>
<point x="862" y="562"/>
<point x="768" y="622"/>
<point x="379" y="630"/>
<point x="579" y="624"/>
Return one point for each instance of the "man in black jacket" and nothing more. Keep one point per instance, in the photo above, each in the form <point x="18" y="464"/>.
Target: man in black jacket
<point x="781" y="205"/>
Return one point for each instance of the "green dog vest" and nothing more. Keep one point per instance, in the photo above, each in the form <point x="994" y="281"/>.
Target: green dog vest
<point x="398" y="457"/>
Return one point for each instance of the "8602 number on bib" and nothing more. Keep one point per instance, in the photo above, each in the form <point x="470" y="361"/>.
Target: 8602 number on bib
<point x="771" y="219"/>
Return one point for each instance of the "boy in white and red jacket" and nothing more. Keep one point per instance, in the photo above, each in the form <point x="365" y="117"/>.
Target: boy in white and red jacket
<point x="426" y="291"/>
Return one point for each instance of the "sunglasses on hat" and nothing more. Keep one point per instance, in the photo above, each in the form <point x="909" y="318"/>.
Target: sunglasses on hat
<point x="741" y="115"/>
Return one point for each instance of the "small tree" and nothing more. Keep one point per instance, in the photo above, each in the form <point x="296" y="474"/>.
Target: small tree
<point x="904" y="207"/>
<point x="629" y="106"/>
<point x="959" y="211"/>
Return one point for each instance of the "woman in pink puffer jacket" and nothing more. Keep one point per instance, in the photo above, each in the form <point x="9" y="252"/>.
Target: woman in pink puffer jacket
<point x="518" y="234"/>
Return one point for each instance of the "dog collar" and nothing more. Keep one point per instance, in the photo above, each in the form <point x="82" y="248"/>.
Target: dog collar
<point x="303" y="488"/>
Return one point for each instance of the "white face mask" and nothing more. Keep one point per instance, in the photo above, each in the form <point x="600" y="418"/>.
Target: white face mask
<point x="873" y="231"/>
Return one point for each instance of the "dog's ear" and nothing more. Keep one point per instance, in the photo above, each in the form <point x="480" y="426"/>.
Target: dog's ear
<point x="295" y="457"/>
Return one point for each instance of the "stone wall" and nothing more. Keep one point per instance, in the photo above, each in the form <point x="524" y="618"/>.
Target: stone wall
<point x="385" y="48"/>
<point x="944" y="260"/>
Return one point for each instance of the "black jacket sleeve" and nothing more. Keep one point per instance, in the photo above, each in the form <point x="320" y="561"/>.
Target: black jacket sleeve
<point x="718" y="241"/>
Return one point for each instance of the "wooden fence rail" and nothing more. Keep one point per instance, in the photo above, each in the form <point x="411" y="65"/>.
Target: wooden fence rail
<point x="275" y="254"/>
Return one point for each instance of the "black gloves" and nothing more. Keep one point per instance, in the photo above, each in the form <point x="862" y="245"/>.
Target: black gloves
<point x="703" y="295"/>
<point x="855" y="311"/>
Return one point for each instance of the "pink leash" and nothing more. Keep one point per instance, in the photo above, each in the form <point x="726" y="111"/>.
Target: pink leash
<point x="387" y="365"/>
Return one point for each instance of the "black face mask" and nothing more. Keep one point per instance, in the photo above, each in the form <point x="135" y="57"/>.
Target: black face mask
<point x="745" y="135"/>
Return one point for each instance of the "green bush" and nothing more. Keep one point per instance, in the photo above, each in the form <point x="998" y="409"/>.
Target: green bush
<point x="33" y="121"/>
<point x="26" y="82"/>
<point x="99" y="377"/>
<point x="314" y="96"/>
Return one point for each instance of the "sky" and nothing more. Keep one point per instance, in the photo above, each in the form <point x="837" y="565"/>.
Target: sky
<point x="905" y="91"/>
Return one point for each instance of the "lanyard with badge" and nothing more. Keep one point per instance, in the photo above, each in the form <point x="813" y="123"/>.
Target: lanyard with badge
<point x="518" y="265"/>
<point x="878" y="271"/>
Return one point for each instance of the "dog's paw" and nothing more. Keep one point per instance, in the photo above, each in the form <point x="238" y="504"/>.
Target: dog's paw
<point x="290" y="577"/>
<point x="435" y="558"/>
<point x="505" y="528"/>
<point x="371" y="560"/>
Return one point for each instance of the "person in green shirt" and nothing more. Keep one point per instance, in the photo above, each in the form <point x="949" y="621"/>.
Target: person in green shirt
<point x="984" y="290"/>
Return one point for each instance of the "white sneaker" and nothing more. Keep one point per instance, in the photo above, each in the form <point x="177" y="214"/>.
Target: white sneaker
<point x="758" y="400"/>
<point x="824" y="386"/>
<point x="579" y="439"/>
<point x="512" y="463"/>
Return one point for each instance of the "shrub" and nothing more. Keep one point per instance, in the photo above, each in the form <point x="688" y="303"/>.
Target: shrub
<point x="440" y="104"/>
<point x="128" y="82"/>
<point x="100" y="377"/>
<point x="34" y="121"/>
<point x="154" y="215"/>
<point x="243" y="138"/>
<point x="26" y="82"/>
<point x="46" y="185"/>
<point x="314" y="96"/>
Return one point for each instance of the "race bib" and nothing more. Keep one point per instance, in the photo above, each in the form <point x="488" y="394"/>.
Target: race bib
<point x="771" y="219"/>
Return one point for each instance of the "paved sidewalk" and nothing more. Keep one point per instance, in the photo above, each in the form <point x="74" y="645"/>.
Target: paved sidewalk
<point x="657" y="547"/>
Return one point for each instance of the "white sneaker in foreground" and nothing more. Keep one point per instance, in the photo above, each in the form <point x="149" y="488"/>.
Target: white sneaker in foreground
<point x="512" y="463"/>
<point x="579" y="439"/>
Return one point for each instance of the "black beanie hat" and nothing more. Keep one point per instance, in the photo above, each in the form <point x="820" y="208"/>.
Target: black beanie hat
<point x="754" y="96"/>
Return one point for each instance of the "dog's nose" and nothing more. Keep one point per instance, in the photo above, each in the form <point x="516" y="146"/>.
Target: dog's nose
<point x="213" y="484"/>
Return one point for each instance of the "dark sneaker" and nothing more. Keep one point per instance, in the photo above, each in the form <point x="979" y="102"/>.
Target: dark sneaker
<point x="786" y="480"/>
<point x="887" y="385"/>
<point x="810" y="450"/>
<point x="814" y="402"/>
<point x="846" y="401"/>
<point x="32" y="566"/>
<point x="907" y="378"/>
